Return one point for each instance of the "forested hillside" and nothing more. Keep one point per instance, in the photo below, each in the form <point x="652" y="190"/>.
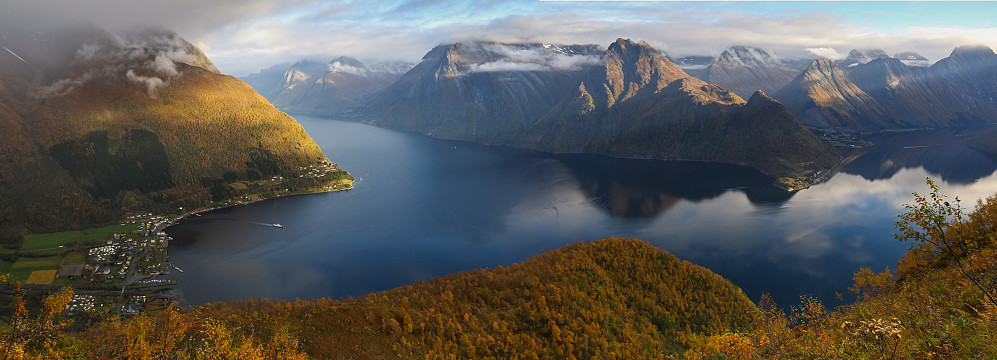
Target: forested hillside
<point x="96" y="125"/>
<point x="613" y="298"/>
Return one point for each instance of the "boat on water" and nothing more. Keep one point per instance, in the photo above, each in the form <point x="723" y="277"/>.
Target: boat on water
<point x="278" y="225"/>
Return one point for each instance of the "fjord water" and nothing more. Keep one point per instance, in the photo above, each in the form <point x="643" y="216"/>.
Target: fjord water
<point x="426" y="207"/>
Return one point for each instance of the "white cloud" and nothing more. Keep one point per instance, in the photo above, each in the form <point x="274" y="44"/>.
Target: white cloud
<point x="165" y="66"/>
<point x="247" y="35"/>
<point x="825" y="52"/>
<point x="271" y="41"/>
<point x="151" y="82"/>
<point x="337" y="66"/>
<point x="61" y="86"/>
<point x="533" y="58"/>
<point x="506" y="65"/>
<point x="125" y="56"/>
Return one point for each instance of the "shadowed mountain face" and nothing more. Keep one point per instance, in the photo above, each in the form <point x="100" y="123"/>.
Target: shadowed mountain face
<point x="332" y="88"/>
<point x="93" y="122"/>
<point x="626" y="101"/>
<point x="481" y="91"/>
<point x="885" y="92"/>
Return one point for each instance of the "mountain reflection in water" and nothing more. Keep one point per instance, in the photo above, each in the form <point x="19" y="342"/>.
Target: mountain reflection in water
<point x="427" y="207"/>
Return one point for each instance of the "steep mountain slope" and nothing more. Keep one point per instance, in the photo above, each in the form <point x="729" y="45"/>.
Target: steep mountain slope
<point x="908" y="95"/>
<point x="135" y="122"/>
<point x="266" y="82"/>
<point x="630" y="101"/>
<point x="651" y="108"/>
<point x="824" y="96"/>
<point x="481" y="91"/>
<point x="332" y="88"/>
<point x="969" y="75"/>
<point x="887" y="93"/>
<point x="744" y="70"/>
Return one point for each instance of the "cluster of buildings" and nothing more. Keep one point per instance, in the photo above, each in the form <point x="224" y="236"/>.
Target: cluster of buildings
<point x="133" y="257"/>
<point x="81" y="302"/>
<point x="114" y="260"/>
<point x="141" y="254"/>
<point x="317" y="170"/>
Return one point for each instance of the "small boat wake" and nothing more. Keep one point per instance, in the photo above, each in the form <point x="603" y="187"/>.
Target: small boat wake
<point x="275" y="225"/>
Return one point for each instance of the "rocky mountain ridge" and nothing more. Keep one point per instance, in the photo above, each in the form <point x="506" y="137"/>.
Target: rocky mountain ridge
<point x="628" y="100"/>
<point x="887" y="93"/>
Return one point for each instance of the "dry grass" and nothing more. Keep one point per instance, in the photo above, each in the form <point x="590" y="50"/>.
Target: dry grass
<point x="41" y="277"/>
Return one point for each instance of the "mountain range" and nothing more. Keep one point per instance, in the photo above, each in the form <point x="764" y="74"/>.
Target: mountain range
<point x="331" y="88"/>
<point x="631" y="100"/>
<point x="868" y="90"/>
<point x="94" y="124"/>
<point x="744" y="70"/>
<point x="886" y="93"/>
<point x="628" y="100"/>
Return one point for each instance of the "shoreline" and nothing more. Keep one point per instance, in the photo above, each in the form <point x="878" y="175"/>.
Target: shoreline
<point x="173" y="221"/>
<point x="775" y="178"/>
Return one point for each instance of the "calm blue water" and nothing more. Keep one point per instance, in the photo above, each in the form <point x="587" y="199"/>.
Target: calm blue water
<point x="426" y="207"/>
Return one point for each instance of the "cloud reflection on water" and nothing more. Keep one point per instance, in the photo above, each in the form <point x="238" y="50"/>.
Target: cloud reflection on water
<point x="429" y="207"/>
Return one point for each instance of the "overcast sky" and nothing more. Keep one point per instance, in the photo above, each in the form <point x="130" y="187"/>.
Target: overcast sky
<point x="244" y="36"/>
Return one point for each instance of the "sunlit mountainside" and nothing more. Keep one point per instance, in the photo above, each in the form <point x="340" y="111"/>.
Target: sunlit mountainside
<point x="98" y="124"/>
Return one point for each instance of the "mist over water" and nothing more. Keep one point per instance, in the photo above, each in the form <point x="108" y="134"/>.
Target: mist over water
<point x="427" y="207"/>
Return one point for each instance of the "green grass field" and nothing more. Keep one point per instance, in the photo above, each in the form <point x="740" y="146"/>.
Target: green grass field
<point x="22" y="269"/>
<point x="49" y="243"/>
<point x="789" y="164"/>
<point x="45" y="262"/>
<point x="75" y="257"/>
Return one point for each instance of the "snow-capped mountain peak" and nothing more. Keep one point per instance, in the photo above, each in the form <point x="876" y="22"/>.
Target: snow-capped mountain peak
<point x="858" y="57"/>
